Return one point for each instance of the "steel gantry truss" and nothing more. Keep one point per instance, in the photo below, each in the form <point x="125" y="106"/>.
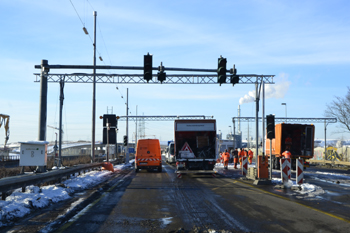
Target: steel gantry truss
<point x="138" y="78"/>
<point x="203" y="77"/>
<point x="163" y="118"/>
<point x="290" y="119"/>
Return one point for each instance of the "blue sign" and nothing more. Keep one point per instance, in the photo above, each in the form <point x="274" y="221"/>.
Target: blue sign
<point x="131" y="150"/>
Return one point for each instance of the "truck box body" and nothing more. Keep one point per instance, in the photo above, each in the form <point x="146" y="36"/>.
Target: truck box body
<point x="195" y="142"/>
<point x="302" y="142"/>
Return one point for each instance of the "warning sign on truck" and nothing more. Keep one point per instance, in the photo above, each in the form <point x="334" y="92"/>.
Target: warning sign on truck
<point x="186" y="152"/>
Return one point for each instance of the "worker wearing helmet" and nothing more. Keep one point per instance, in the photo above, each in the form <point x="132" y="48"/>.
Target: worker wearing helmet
<point x="250" y="156"/>
<point x="240" y="155"/>
<point x="226" y="158"/>
<point x="235" y="157"/>
<point x="286" y="154"/>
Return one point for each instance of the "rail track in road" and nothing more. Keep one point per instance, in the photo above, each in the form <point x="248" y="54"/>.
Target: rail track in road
<point x="160" y="202"/>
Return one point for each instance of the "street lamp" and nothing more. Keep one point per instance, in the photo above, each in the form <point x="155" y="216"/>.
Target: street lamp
<point x="230" y="131"/>
<point x="285" y="104"/>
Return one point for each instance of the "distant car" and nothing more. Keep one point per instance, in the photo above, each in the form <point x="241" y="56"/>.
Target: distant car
<point x="170" y="155"/>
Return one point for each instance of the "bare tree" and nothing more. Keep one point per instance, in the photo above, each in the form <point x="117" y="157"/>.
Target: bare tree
<point x="340" y="109"/>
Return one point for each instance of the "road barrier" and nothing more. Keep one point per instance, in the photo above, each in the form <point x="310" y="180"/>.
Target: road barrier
<point x="285" y="171"/>
<point x="300" y="171"/>
<point x="244" y="166"/>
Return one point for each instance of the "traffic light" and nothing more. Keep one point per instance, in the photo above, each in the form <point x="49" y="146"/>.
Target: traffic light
<point x="147" y="67"/>
<point x="221" y="70"/>
<point x="234" y="77"/>
<point x="161" y="74"/>
<point x="112" y="136"/>
<point x="125" y="140"/>
<point x="111" y="119"/>
<point x="270" y="126"/>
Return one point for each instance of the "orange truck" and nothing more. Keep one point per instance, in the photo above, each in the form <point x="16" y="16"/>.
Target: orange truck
<point x="148" y="155"/>
<point x="298" y="139"/>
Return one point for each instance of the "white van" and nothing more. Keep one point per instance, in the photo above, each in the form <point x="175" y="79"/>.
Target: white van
<point x="170" y="155"/>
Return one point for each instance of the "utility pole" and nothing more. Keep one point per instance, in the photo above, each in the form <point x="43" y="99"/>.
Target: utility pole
<point x="127" y="127"/>
<point x="136" y="129"/>
<point x="94" y="95"/>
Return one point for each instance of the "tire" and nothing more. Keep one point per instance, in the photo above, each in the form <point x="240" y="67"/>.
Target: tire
<point x="160" y="168"/>
<point x="136" y="169"/>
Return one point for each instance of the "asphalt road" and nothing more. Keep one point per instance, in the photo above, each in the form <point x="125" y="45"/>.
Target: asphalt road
<point x="161" y="202"/>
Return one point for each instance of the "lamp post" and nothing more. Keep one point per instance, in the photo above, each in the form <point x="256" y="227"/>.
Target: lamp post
<point x="285" y="104"/>
<point x="230" y="131"/>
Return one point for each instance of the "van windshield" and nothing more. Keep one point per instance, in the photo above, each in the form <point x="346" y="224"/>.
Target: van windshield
<point x="171" y="149"/>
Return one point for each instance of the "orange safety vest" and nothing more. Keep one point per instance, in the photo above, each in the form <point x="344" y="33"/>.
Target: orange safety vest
<point x="250" y="153"/>
<point x="286" y="154"/>
<point x="226" y="156"/>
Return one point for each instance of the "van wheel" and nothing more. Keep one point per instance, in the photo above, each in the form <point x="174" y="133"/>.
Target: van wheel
<point x="160" y="169"/>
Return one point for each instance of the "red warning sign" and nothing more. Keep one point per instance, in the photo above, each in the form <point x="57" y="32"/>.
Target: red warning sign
<point x="186" y="152"/>
<point x="186" y="147"/>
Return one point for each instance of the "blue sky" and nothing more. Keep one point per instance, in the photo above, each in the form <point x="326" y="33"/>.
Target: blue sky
<point x="305" y="44"/>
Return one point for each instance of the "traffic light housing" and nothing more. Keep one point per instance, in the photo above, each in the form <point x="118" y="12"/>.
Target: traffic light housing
<point x="234" y="77"/>
<point x="111" y="119"/>
<point x="147" y="67"/>
<point x="270" y="126"/>
<point x="125" y="140"/>
<point x="112" y="136"/>
<point x="161" y="74"/>
<point x="221" y="70"/>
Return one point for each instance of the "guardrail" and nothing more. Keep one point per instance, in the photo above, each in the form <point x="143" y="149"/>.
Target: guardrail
<point x="21" y="181"/>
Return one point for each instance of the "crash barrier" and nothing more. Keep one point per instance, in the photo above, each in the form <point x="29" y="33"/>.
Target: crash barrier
<point x="244" y="166"/>
<point x="179" y="175"/>
<point x="285" y="171"/>
<point x="14" y="182"/>
<point x="300" y="169"/>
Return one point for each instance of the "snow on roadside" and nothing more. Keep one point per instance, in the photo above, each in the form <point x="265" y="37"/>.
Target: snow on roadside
<point x="306" y="190"/>
<point x="19" y="204"/>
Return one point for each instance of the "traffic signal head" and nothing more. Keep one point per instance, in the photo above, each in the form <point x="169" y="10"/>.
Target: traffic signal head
<point x="147" y="67"/>
<point x="270" y="126"/>
<point x="221" y="70"/>
<point x="111" y="119"/>
<point x="125" y="140"/>
<point x="234" y="77"/>
<point x="161" y="74"/>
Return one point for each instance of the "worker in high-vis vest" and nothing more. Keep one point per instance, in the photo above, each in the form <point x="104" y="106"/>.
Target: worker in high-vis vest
<point x="241" y="154"/>
<point x="226" y="158"/>
<point x="235" y="157"/>
<point x="286" y="154"/>
<point x="250" y="156"/>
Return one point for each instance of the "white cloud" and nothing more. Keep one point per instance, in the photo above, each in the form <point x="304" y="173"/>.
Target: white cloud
<point x="277" y="90"/>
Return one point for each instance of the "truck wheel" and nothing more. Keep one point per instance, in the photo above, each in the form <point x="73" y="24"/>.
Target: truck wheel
<point x="160" y="168"/>
<point x="136" y="169"/>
